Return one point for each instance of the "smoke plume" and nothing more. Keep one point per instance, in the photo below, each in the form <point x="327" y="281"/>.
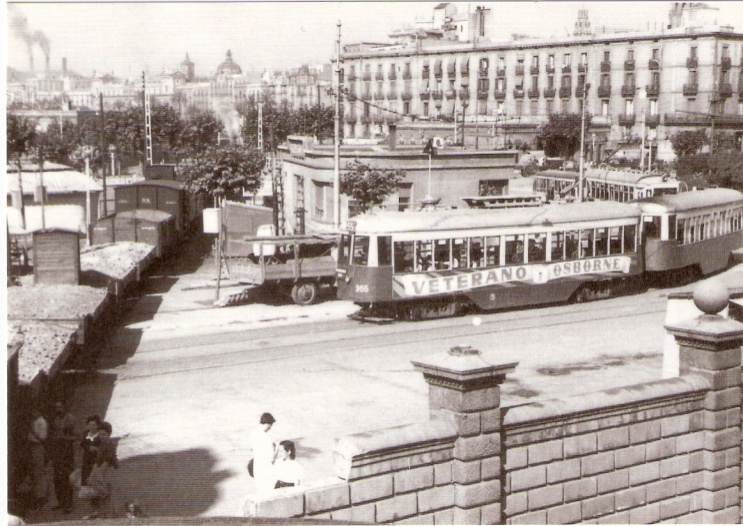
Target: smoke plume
<point x="20" y="29"/>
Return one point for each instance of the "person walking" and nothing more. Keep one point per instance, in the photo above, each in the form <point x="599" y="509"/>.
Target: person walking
<point x="62" y="454"/>
<point x="89" y="445"/>
<point x="37" y="436"/>
<point x="264" y="455"/>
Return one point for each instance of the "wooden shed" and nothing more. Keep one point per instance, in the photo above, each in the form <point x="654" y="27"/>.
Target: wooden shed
<point x="56" y="256"/>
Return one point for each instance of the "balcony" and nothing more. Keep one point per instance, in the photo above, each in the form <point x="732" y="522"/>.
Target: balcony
<point x="437" y="95"/>
<point x="534" y="70"/>
<point x="605" y="67"/>
<point x="482" y="94"/>
<point x="600" y="120"/>
<point x="629" y="65"/>
<point x="392" y="94"/>
<point x="406" y="95"/>
<point x="379" y="75"/>
<point x="652" y="90"/>
<point x="533" y="93"/>
<point x="425" y="94"/>
<point x="652" y="120"/>
<point x="350" y="118"/>
<point x="464" y="72"/>
<point x="653" y="64"/>
<point x="500" y="94"/>
<point x="565" y="92"/>
<point x="579" y="89"/>
<point x="482" y="73"/>
<point x="627" y="120"/>
<point x="392" y="75"/>
<point x="378" y="118"/>
<point x="520" y="70"/>
<point x="367" y="75"/>
<point x="425" y="74"/>
<point x="725" y="63"/>
<point x="581" y="68"/>
<point x="450" y="94"/>
<point x="406" y="75"/>
<point x="366" y="96"/>
<point x="549" y="93"/>
<point x="726" y="90"/>
<point x="438" y="73"/>
<point x="464" y="94"/>
<point x="690" y="90"/>
<point x="604" y="92"/>
<point x="550" y="69"/>
<point x="692" y="62"/>
<point x="566" y="69"/>
<point x="451" y="71"/>
<point x="365" y="119"/>
<point x="629" y="90"/>
<point x="518" y="93"/>
<point x="679" y="119"/>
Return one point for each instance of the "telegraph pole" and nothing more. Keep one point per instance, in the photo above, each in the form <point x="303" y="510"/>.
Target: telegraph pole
<point x="103" y="159"/>
<point x="337" y="126"/>
<point x="582" y="140"/>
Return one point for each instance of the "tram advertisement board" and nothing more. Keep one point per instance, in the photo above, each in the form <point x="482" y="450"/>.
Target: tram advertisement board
<point x="429" y="283"/>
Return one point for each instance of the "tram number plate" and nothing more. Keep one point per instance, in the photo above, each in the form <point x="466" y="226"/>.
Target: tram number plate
<point x="362" y="289"/>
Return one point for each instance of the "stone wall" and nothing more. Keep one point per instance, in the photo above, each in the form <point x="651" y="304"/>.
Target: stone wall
<point x="664" y="451"/>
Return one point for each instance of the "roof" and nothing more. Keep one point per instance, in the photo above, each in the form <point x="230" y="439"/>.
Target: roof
<point x="34" y="167"/>
<point x="61" y="182"/>
<point x="467" y="219"/>
<point x="168" y="183"/>
<point x="604" y="174"/>
<point x="157" y="216"/>
<point x="691" y="200"/>
<point x="64" y="217"/>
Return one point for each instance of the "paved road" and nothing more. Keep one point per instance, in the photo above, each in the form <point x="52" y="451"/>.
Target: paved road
<point x="184" y="383"/>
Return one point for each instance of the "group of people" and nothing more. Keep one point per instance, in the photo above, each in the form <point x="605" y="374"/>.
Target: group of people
<point x="56" y="443"/>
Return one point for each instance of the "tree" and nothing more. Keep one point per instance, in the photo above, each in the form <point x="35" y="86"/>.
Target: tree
<point x="726" y="169"/>
<point x="199" y="132"/>
<point x="223" y="172"/>
<point x="688" y="142"/>
<point x="369" y="186"/>
<point x="20" y="136"/>
<point x="560" y="137"/>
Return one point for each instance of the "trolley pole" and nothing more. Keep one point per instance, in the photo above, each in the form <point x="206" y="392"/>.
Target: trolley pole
<point x="337" y="133"/>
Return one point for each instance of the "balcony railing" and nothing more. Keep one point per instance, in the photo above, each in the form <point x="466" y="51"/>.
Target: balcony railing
<point x="581" y="68"/>
<point x="367" y="75"/>
<point x="407" y="75"/>
<point x="652" y="90"/>
<point x="392" y="75"/>
<point x="450" y="94"/>
<point x="406" y="95"/>
<point x="680" y="119"/>
<point x="600" y="120"/>
<point x="549" y="93"/>
<point x="565" y="92"/>
<point x="464" y="94"/>
<point x="366" y="96"/>
<point x="691" y="89"/>
<point x="377" y="118"/>
<point x="653" y="64"/>
<point x="579" y="91"/>
<point x="500" y="94"/>
<point x="482" y="94"/>
<point x="605" y="67"/>
<point x="628" y="90"/>
<point x="725" y="63"/>
<point x="464" y="72"/>
<point x="425" y="74"/>
<point x="726" y="90"/>
<point x="437" y="95"/>
<point x="629" y="65"/>
<point x="351" y="96"/>
<point x="438" y="73"/>
<point x="627" y="119"/>
<point x="566" y="69"/>
<point x="550" y="69"/>
<point x="534" y="70"/>
<point x="425" y="95"/>
<point x="379" y="75"/>
<point x="482" y="73"/>
<point x="350" y="118"/>
<point x="451" y="71"/>
<point x="519" y="69"/>
<point x="501" y="72"/>
<point x="652" y="120"/>
<point x="692" y="62"/>
<point x="518" y="93"/>
<point x="392" y="94"/>
<point x="533" y="93"/>
<point x="604" y="92"/>
<point x="365" y="119"/>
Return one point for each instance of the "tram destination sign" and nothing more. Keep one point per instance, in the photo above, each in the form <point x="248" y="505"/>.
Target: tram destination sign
<point x="430" y="283"/>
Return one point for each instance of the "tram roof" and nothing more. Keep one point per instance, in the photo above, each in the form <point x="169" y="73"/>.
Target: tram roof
<point x="691" y="200"/>
<point x="466" y="219"/>
<point x="608" y="175"/>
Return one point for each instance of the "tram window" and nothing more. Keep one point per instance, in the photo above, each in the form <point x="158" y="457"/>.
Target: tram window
<point x="586" y="243"/>
<point x="652" y="226"/>
<point x="702" y="229"/>
<point x="515" y="249"/>
<point x="442" y="255"/>
<point x="459" y="253"/>
<point x="680" y="231"/>
<point x="361" y="250"/>
<point x="602" y="241"/>
<point x="537" y="248"/>
<point x="571" y="244"/>
<point x="736" y="219"/>
<point x="424" y="255"/>
<point x="344" y="249"/>
<point x="384" y="251"/>
<point x="630" y="239"/>
<point x="403" y="256"/>
<point x="477" y="252"/>
<point x="558" y="246"/>
<point x="615" y="240"/>
<point x="492" y="251"/>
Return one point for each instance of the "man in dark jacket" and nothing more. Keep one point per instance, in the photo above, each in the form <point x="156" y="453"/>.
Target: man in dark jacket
<point x="62" y="455"/>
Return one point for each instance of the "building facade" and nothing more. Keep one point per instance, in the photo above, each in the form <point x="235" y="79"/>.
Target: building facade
<point x="651" y="83"/>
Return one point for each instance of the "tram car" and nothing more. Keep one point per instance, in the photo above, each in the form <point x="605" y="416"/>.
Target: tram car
<point x="605" y="184"/>
<point x="443" y="263"/>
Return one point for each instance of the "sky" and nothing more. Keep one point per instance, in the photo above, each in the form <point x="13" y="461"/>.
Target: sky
<point x="126" y="38"/>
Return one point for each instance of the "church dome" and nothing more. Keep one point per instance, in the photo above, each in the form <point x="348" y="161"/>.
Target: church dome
<point x="229" y="67"/>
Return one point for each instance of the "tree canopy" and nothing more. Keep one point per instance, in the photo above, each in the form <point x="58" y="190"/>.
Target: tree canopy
<point x="560" y="137"/>
<point x="367" y="185"/>
<point x="688" y="142"/>
<point x="223" y="172"/>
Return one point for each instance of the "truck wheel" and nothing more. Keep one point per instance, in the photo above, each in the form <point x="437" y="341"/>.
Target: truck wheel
<point x="304" y="293"/>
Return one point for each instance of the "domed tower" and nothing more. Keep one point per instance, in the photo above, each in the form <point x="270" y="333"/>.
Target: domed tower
<point x="187" y="68"/>
<point x="229" y="67"/>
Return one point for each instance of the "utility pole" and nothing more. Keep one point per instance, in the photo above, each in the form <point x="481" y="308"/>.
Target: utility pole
<point x="103" y="150"/>
<point x="337" y="133"/>
<point x="582" y="140"/>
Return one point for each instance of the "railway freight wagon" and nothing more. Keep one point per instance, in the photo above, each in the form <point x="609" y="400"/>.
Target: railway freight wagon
<point x="164" y="195"/>
<point x="153" y="227"/>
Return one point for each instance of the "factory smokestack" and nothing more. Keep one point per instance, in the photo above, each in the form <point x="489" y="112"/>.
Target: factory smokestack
<point x="64" y="65"/>
<point x="21" y="31"/>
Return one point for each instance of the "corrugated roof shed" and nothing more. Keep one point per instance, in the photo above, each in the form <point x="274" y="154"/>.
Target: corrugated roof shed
<point x="60" y="182"/>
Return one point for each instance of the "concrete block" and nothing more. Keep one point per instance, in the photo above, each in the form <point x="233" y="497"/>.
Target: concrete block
<point x="664" y="489"/>
<point x="611" y="482"/>
<point x="725" y="399"/>
<point x="417" y="519"/>
<point x="491" y="420"/>
<point x="467" y="424"/>
<point x="726" y="516"/>
<point x="614" y="518"/>
<point x="442" y="473"/>
<point x="563" y="470"/>
<point x="466" y="516"/>
<point x="671" y="467"/>
<point x="536" y="517"/>
<point x="374" y="488"/>
<point x="613" y="438"/>
<point x="444" y="516"/>
<point x="717" y="480"/>
<point x="283" y="506"/>
<point x="696" y="461"/>
<point x="464" y="472"/>
<point x="663" y="448"/>
<point x="724" y="439"/>
<point x="413" y="479"/>
<point x="734" y="416"/>
<point x="565" y="514"/>
<point x="545" y="452"/>
<point x="597" y="506"/>
<point x="528" y="478"/>
<point x="715" y="420"/>
<point x="629" y="456"/>
<point x="398" y="507"/>
<point x="644" y="473"/>
<point x="710" y="360"/>
<point x="580" y="489"/>
<point x="365" y="513"/>
<point x="341" y="515"/>
<point x="714" y="460"/>
<point x="516" y="457"/>
<point x="719" y="380"/>
<point x="516" y="503"/>
<point x="580" y="445"/>
<point x="674" y="507"/>
<point x="545" y="497"/>
<point x="732" y="496"/>
<point x="600" y="463"/>
<point x="697" y="503"/>
<point x="491" y="514"/>
<point x="464" y="401"/>
<point x="630" y="498"/>
<point x="713" y="500"/>
<point x="689" y="483"/>
<point x="481" y="446"/>
<point x="642" y="432"/>
<point x="477" y="494"/>
<point x="490" y="468"/>
<point x="436" y="498"/>
<point x="675" y="425"/>
<point x="732" y="457"/>
<point x="645" y="515"/>
<point x="691" y="518"/>
<point x="690" y="442"/>
<point x="330" y="497"/>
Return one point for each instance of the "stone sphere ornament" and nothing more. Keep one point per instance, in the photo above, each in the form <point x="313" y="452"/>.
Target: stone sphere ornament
<point x="711" y="296"/>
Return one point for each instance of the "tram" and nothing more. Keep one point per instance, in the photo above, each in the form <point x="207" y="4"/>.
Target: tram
<point x="446" y="262"/>
<point x="606" y="184"/>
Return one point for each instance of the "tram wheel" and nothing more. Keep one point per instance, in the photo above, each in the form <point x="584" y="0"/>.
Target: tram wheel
<point x="304" y="293"/>
<point x="582" y="295"/>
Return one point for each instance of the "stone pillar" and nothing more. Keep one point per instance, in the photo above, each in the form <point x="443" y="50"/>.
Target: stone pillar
<point x="465" y="389"/>
<point x="710" y="346"/>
